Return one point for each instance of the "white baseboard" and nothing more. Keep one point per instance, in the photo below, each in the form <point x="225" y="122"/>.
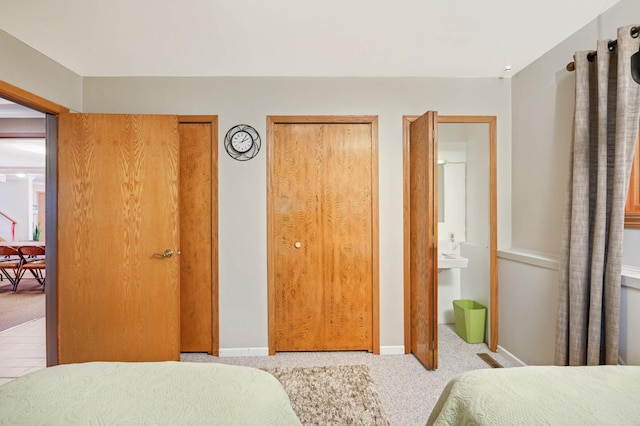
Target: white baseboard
<point x="229" y="352"/>
<point x="391" y="350"/>
<point x="509" y="356"/>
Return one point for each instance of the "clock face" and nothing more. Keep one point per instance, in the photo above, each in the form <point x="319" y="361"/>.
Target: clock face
<point x="241" y="141"/>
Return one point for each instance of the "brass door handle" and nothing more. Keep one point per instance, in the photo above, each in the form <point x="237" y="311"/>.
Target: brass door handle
<point x="167" y="253"/>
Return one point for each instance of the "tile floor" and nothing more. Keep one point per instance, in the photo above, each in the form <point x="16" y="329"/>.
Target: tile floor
<point x="22" y="350"/>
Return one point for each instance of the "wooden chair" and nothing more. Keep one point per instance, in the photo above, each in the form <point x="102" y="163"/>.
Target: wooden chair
<point x="10" y="261"/>
<point x="34" y="261"/>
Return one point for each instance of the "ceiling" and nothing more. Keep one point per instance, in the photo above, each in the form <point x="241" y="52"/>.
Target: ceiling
<point x="427" y="38"/>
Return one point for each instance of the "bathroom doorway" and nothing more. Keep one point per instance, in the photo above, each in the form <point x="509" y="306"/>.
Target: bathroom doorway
<point x="452" y="254"/>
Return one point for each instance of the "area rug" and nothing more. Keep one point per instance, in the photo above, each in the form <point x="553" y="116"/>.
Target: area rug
<point x="26" y="304"/>
<point x="337" y="395"/>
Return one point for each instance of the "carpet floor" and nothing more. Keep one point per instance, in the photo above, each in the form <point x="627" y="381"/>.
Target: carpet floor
<point x="407" y="390"/>
<point x="26" y="304"/>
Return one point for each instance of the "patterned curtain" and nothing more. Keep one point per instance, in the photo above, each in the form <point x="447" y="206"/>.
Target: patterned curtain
<point x="605" y="129"/>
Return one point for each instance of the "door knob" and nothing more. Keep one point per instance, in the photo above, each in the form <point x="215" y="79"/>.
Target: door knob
<point x="167" y="253"/>
<point x="298" y="244"/>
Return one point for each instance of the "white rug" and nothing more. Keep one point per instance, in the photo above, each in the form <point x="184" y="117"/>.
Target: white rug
<point x="336" y="395"/>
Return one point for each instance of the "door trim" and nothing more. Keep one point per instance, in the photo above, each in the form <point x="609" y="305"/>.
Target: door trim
<point x="22" y="97"/>
<point x="493" y="320"/>
<point x="326" y="119"/>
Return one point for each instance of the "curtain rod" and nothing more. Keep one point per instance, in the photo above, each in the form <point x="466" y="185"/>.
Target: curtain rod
<point x="571" y="66"/>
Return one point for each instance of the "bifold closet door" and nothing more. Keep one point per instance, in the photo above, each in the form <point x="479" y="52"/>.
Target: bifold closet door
<point x="298" y="247"/>
<point x="322" y="236"/>
<point x="347" y="232"/>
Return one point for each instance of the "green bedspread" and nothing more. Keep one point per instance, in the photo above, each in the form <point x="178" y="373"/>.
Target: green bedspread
<point x="601" y="395"/>
<point x="149" y="393"/>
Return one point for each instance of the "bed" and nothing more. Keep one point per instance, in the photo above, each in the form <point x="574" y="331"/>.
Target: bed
<point x="175" y="393"/>
<point x="601" y="395"/>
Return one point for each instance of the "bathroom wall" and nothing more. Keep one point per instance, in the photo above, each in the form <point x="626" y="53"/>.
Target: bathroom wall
<point x="475" y="280"/>
<point x="465" y="148"/>
<point x="452" y="150"/>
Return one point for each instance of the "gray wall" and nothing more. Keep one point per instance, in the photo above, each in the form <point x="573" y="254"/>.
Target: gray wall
<point x="242" y="194"/>
<point x="28" y="69"/>
<point x="543" y="103"/>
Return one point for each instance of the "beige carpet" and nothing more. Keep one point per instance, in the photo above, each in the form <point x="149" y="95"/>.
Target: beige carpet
<point x="336" y="395"/>
<point x="27" y="304"/>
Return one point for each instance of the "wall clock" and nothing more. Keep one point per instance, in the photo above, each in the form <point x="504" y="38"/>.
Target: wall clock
<point x="242" y="142"/>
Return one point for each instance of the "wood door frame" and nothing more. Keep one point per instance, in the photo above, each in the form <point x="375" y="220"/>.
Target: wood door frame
<point x="27" y="99"/>
<point x="22" y="97"/>
<point x="493" y="268"/>
<point x="272" y="121"/>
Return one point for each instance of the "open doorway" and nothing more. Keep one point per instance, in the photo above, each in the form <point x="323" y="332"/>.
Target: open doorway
<point x="461" y="247"/>
<point x="22" y="224"/>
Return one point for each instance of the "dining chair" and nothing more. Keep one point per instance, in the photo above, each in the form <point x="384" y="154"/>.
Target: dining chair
<point x="10" y="261"/>
<point x="34" y="261"/>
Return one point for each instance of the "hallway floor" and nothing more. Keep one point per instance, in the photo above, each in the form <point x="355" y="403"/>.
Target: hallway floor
<point x="22" y="350"/>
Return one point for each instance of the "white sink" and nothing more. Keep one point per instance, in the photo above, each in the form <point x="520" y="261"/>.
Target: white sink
<point x="449" y="260"/>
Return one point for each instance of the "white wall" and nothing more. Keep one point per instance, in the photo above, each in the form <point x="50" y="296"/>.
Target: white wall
<point x="543" y="103"/>
<point x="467" y="214"/>
<point x="630" y="321"/>
<point x="242" y="194"/>
<point x="452" y="149"/>
<point x="15" y="201"/>
<point x="527" y="306"/>
<point x="476" y="278"/>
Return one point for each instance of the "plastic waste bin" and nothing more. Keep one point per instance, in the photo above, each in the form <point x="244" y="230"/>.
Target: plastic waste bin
<point x="470" y="319"/>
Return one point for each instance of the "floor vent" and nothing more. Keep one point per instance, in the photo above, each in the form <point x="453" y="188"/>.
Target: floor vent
<point x="489" y="360"/>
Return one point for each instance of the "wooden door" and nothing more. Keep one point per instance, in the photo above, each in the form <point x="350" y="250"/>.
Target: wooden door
<point x="423" y="148"/>
<point x="347" y="236"/>
<point x="321" y="237"/>
<point x="117" y="209"/>
<point x="198" y="168"/>
<point x="298" y="249"/>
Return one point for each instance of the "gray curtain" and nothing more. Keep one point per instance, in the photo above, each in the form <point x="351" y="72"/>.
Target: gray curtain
<point x="605" y="128"/>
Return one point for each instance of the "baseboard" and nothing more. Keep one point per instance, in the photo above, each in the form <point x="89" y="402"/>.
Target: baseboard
<point x="229" y="352"/>
<point x="391" y="350"/>
<point x="509" y="356"/>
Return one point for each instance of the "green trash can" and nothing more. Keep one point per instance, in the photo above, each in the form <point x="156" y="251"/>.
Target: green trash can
<point x="470" y="319"/>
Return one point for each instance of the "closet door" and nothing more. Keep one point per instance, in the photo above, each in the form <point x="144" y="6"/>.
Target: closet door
<point x="347" y="232"/>
<point x="321" y="233"/>
<point x="296" y="189"/>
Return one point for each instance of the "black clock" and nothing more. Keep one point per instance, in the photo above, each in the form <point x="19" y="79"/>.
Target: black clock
<point x="242" y="142"/>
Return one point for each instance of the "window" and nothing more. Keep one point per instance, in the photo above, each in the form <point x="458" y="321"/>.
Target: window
<point x="632" y="209"/>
